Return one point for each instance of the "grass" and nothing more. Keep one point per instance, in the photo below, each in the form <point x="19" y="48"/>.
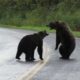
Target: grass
<point x="38" y="28"/>
<point x="34" y="28"/>
<point x="77" y="34"/>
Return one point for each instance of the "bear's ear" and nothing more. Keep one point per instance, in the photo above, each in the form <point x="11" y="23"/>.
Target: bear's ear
<point x="57" y="22"/>
<point x="44" y="31"/>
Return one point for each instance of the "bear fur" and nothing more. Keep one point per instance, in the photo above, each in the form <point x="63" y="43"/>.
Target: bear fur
<point x="64" y="38"/>
<point x="29" y="43"/>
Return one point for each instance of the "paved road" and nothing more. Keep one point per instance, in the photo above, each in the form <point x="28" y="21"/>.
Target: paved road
<point x="10" y="69"/>
<point x="57" y="69"/>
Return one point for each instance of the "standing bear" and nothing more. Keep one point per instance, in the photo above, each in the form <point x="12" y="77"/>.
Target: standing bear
<point x="64" y="39"/>
<point x="29" y="43"/>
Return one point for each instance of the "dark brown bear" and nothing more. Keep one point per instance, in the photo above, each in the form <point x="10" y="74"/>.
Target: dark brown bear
<point x="29" y="43"/>
<point x="64" y="37"/>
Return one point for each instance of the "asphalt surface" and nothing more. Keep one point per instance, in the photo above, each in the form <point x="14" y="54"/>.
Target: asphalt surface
<point x="10" y="68"/>
<point x="57" y="69"/>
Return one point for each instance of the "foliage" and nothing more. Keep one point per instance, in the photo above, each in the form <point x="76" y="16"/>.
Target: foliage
<point x="39" y="12"/>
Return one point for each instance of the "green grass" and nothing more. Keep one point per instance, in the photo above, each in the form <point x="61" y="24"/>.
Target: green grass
<point x="77" y="34"/>
<point x="38" y="28"/>
<point x="34" y="28"/>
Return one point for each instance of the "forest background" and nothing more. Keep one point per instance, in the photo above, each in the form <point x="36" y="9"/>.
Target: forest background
<point x="38" y="13"/>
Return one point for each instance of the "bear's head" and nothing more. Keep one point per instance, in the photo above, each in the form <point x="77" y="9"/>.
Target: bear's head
<point x="54" y="25"/>
<point x="43" y="34"/>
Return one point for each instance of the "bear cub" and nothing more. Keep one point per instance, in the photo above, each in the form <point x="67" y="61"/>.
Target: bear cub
<point x="64" y="38"/>
<point x="29" y="43"/>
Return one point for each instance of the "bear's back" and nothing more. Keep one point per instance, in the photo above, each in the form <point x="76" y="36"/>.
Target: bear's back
<point x="66" y="36"/>
<point x="30" y="41"/>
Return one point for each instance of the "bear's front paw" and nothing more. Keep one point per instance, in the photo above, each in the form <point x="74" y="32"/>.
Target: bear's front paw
<point x="64" y="58"/>
<point x="41" y="58"/>
<point x="18" y="58"/>
<point x="33" y="59"/>
<point x="55" y="48"/>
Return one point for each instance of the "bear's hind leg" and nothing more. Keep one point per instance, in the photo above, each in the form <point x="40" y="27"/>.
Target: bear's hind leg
<point x="64" y="53"/>
<point x="32" y="56"/>
<point x="27" y="57"/>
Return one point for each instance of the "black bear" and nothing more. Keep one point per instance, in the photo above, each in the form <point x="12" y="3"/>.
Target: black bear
<point x="29" y="43"/>
<point x="64" y="37"/>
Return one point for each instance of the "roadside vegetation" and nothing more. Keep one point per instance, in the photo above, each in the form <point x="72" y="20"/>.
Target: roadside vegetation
<point x="35" y="14"/>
